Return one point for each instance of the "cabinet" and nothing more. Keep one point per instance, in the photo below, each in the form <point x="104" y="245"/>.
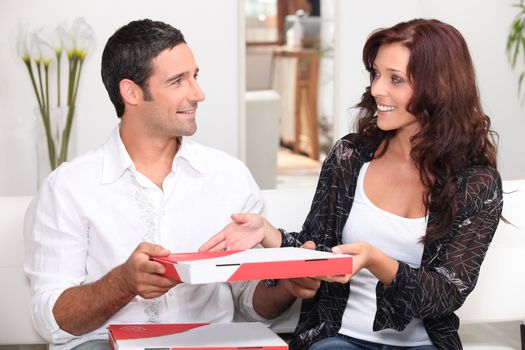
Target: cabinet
<point x="295" y="76"/>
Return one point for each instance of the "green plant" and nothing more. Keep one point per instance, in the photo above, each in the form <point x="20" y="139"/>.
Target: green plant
<point x="516" y="41"/>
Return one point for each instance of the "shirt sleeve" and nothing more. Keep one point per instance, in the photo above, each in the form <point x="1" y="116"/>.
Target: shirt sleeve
<point x="55" y="254"/>
<point x="243" y="299"/>
<point x="243" y="291"/>
<point x="441" y="287"/>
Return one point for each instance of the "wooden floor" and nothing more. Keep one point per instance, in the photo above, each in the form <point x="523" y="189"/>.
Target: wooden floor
<point x="295" y="170"/>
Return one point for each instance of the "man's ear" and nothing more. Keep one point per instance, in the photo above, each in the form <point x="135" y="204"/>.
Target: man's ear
<point x="131" y="93"/>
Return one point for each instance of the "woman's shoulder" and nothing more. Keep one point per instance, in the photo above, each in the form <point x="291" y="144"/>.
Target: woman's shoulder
<point x="349" y="148"/>
<point x="480" y="175"/>
<point x="352" y="141"/>
<point x="482" y="182"/>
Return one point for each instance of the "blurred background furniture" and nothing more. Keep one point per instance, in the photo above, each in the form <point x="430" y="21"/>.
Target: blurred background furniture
<point x="295" y="76"/>
<point x="16" y="327"/>
<point x="262" y="136"/>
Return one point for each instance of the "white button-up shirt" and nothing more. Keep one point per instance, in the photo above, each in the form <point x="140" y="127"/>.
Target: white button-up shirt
<point x="91" y="213"/>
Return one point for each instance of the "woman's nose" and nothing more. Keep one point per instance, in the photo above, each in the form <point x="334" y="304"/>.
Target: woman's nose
<point x="378" y="87"/>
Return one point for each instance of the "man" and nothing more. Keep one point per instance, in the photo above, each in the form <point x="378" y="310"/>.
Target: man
<point x="97" y="220"/>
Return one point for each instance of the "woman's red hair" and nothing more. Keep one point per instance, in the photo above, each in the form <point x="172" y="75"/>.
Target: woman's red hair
<point x="455" y="133"/>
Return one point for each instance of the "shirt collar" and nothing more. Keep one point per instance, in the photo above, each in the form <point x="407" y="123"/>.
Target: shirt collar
<point x="191" y="152"/>
<point x="117" y="159"/>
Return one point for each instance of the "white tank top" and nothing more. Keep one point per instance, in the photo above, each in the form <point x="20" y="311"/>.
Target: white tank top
<point x="397" y="237"/>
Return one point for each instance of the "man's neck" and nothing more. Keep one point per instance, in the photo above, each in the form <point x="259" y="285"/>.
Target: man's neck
<point x="152" y="156"/>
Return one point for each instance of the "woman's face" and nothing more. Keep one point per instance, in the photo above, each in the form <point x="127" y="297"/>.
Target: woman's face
<point x="392" y="90"/>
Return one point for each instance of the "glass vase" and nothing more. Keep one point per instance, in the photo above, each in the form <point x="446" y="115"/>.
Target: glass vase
<point x="55" y="139"/>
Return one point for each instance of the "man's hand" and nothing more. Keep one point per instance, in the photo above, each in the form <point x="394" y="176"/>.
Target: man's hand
<point x="271" y="302"/>
<point x="84" y="308"/>
<point x="304" y="287"/>
<point x="245" y="232"/>
<point x="141" y="275"/>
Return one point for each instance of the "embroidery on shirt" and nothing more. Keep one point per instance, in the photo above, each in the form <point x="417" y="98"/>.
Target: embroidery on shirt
<point x="148" y="216"/>
<point x="153" y="310"/>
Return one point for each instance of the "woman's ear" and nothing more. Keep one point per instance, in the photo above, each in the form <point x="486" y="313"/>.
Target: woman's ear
<point x="131" y="93"/>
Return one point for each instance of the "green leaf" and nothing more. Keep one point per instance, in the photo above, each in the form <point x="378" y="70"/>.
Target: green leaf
<point x="515" y="54"/>
<point x="520" y="82"/>
<point x="515" y="46"/>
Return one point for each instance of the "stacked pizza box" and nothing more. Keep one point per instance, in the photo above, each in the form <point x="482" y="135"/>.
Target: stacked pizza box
<point x="227" y="266"/>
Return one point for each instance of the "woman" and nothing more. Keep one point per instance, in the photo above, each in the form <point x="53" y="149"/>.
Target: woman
<point x="414" y="196"/>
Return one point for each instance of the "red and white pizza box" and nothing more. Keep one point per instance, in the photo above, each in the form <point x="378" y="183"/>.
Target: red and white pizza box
<point x="253" y="264"/>
<point x="197" y="336"/>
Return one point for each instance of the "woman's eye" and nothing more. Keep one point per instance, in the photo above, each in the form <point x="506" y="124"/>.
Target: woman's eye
<point x="396" y="80"/>
<point x="196" y="76"/>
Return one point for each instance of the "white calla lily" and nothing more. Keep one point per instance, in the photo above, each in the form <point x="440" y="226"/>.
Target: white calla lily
<point x="22" y="42"/>
<point x="67" y="39"/>
<point x="84" y="37"/>
<point x="46" y="49"/>
<point x="34" y="49"/>
<point x="38" y="50"/>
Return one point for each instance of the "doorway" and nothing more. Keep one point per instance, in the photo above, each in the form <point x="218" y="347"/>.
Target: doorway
<point x="290" y="52"/>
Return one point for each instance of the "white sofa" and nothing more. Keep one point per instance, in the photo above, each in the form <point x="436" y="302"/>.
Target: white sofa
<point x="498" y="296"/>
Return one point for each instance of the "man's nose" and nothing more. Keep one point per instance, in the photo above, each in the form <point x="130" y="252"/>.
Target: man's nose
<point x="196" y="94"/>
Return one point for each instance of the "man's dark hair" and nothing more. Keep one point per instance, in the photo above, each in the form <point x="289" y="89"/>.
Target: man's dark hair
<point x="129" y="53"/>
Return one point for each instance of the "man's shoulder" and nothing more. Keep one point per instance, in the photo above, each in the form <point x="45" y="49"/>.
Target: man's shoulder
<point x="213" y="157"/>
<point x="79" y="170"/>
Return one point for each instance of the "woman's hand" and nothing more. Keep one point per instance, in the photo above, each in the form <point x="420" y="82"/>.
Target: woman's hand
<point x="361" y="255"/>
<point x="365" y="255"/>
<point x="244" y="232"/>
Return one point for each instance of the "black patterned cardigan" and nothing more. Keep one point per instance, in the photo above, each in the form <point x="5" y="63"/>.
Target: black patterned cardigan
<point x="449" y="267"/>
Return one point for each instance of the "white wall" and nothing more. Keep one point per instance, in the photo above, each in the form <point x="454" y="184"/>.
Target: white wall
<point x="484" y="23"/>
<point x="213" y="35"/>
<point x="211" y="30"/>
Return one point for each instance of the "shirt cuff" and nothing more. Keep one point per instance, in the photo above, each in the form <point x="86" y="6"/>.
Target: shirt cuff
<point x="44" y="320"/>
<point x="246" y="304"/>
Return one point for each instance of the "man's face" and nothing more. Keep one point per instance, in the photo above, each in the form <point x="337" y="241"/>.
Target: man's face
<point x="174" y="94"/>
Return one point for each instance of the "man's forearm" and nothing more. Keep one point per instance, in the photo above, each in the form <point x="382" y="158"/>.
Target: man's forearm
<point x="272" y="236"/>
<point x="270" y="302"/>
<point x="82" y="309"/>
